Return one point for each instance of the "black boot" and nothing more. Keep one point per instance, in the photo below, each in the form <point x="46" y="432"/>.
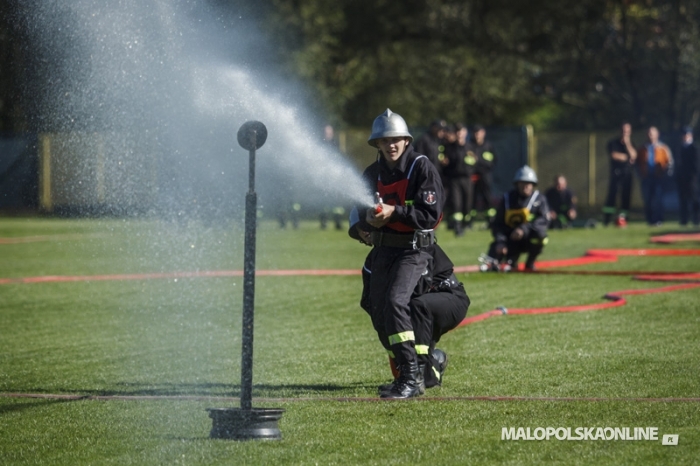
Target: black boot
<point x="408" y="384"/>
<point x="387" y="387"/>
<point x="530" y="264"/>
<point x="440" y="362"/>
<point x="421" y="376"/>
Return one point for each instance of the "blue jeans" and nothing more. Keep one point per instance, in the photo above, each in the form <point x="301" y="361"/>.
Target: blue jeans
<point x="652" y="193"/>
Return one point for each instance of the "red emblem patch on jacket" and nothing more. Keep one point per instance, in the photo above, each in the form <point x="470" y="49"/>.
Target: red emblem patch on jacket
<point x="429" y="197"/>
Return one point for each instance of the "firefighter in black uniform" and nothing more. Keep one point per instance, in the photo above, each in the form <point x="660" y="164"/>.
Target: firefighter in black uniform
<point x="400" y="227"/>
<point x="520" y="224"/>
<point x="431" y="143"/>
<point x="438" y="304"/>
<point x="458" y="171"/>
<point x="483" y="180"/>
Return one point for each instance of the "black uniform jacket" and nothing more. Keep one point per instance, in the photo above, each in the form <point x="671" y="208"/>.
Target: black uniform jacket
<point x="485" y="158"/>
<point x="429" y="145"/>
<point x="424" y="195"/>
<point x="526" y="213"/>
<point x="560" y="201"/>
<point x="462" y="160"/>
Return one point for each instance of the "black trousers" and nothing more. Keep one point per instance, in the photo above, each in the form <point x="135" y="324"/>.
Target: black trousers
<point x="482" y="194"/>
<point x="689" y="201"/>
<point x="620" y="179"/>
<point x="531" y="244"/>
<point x="395" y="274"/>
<point x="433" y="315"/>
<point x="461" y="197"/>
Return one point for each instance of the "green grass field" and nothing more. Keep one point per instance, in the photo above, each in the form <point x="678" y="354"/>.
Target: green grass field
<point x="168" y="337"/>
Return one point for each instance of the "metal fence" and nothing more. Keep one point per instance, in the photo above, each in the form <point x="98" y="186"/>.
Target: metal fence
<point x="584" y="160"/>
<point x="44" y="172"/>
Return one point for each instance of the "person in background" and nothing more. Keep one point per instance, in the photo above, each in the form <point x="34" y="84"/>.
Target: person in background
<point x="562" y="203"/>
<point x="290" y="212"/>
<point x="449" y="140"/>
<point x="622" y="157"/>
<point x="432" y="144"/>
<point x="520" y="224"/>
<point x="688" y="180"/>
<point x="482" y="179"/>
<point x="655" y="164"/>
<point x="337" y="212"/>
<point x="458" y="172"/>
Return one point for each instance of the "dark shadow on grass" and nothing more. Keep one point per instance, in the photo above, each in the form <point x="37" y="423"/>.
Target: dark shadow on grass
<point x="10" y="408"/>
<point x="679" y="231"/>
<point x="210" y="389"/>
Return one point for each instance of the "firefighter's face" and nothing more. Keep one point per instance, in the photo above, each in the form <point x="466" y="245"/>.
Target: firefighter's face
<point x="392" y="148"/>
<point x="524" y="188"/>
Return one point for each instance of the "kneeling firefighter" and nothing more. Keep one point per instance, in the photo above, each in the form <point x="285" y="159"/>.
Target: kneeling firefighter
<point x="438" y="304"/>
<point x="520" y="224"/>
<point x="400" y="228"/>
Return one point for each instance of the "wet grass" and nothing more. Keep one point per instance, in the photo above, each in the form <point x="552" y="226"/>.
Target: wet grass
<point x="182" y="337"/>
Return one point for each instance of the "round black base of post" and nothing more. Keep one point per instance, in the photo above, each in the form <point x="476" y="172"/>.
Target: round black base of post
<point x="245" y="424"/>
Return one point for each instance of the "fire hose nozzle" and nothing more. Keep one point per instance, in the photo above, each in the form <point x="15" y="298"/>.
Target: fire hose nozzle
<point x="378" y="201"/>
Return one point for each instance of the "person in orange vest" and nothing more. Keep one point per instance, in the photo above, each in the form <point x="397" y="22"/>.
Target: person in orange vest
<point x="655" y="165"/>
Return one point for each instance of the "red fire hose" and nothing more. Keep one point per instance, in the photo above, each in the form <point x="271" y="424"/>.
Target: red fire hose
<point x="616" y="298"/>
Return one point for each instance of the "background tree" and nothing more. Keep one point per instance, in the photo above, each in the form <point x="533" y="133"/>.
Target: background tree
<point x="574" y="64"/>
<point x="566" y="64"/>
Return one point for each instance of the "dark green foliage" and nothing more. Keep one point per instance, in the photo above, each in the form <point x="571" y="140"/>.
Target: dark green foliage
<point x="566" y="64"/>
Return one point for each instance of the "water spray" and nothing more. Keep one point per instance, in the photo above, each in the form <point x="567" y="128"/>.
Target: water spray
<point x="247" y="423"/>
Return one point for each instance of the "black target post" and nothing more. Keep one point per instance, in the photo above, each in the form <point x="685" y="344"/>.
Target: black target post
<point x="247" y="423"/>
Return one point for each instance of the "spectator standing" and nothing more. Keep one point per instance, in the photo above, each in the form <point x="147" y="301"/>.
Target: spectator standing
<point x="655" y="164"/>
<point x="562" y="203"/>
<point x="482" y="179"/>
<point x="458" y="172"/>
<point x="688" y="180"/>
<point x="622" y="157"/>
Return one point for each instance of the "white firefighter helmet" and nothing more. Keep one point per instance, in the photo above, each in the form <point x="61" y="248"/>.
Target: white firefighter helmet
<point x="526" y="174"/>
<point x="389" y="125"/>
